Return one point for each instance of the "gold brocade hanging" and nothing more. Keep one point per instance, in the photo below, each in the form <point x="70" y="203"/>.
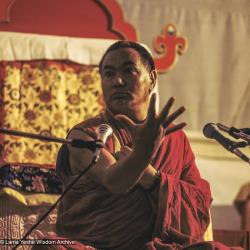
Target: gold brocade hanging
<point x="48" y="98"/>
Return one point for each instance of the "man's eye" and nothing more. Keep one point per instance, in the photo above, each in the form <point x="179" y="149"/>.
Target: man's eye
<point x="108" y="73"/>
<point x="130" y="70"/>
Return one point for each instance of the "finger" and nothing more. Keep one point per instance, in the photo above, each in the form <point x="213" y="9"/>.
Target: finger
<point x="175" y="128"/>
<point x="152" y="108"/>
<point x="173" y="116"/>
<point x="166" y="109"/>
<point x="118" y="155"/>
<point x="125" y="120"/>
<point x="126" y="149"/>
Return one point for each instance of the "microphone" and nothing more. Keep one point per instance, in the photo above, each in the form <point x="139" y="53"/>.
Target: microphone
<point x="236" y="133"/>
<point x="211" y="132"/>
<point x="103" y="132"/>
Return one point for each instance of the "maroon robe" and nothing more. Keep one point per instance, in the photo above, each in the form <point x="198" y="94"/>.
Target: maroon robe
<point x="175" y="213"/>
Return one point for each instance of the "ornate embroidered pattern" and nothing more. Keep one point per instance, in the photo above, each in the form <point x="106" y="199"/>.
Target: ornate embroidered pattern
<point x="48" y="98"/>
<point x="30" y="179"/>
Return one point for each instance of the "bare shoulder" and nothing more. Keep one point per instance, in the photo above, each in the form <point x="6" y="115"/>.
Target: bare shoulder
<point x="86" y="128"/>
<point x="81" y="157"/>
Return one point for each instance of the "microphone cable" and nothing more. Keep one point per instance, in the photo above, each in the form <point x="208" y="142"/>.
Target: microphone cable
<point x="57" y="202"/>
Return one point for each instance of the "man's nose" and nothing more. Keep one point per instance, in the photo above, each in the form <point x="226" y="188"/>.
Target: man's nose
<point x="118" y="81"/>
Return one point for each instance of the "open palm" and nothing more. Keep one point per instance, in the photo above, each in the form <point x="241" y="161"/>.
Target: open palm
<point x="147" y="136"/>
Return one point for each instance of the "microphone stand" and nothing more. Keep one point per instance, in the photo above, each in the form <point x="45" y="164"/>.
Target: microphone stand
<point x="236" y="133"/>
<point x="92" y="145"/>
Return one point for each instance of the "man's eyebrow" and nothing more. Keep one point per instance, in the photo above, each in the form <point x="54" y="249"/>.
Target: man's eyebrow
<point x="128" y="63"/>
<point x="108" y="67"/>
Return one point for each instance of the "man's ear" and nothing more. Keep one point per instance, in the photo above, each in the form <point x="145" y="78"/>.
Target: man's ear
<point x="153" y="79"/>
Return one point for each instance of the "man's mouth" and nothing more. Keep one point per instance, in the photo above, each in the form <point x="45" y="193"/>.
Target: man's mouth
<point x="120" y="96"/>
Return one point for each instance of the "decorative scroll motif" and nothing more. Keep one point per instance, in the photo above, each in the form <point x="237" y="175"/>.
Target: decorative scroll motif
<point x="48" y="98"/>
<point x="118" y="24"/>
<point x="4" y="10"/>
<point x="16" y="219"/>
<point x="168" y="45"/>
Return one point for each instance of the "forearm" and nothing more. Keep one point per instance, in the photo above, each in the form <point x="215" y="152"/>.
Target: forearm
<point x="149" y="176"/>
<point x="125" y="173"/>
<point x="117" y="175"/>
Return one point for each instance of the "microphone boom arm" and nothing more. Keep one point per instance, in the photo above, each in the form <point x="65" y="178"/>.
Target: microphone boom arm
<point x="91" y="145"/>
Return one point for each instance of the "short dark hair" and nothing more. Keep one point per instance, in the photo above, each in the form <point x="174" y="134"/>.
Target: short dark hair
<point x="146" y="57"/>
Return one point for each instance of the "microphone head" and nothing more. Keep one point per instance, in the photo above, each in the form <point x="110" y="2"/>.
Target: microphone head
<point x="209" y="130"/>
<point x="103" y="132"/>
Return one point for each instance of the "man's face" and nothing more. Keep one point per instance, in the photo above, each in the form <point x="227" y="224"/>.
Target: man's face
<point x="126" y="83"/>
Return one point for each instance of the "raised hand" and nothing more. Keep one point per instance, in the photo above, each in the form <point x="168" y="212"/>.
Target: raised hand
<point x="147" y="135"/>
